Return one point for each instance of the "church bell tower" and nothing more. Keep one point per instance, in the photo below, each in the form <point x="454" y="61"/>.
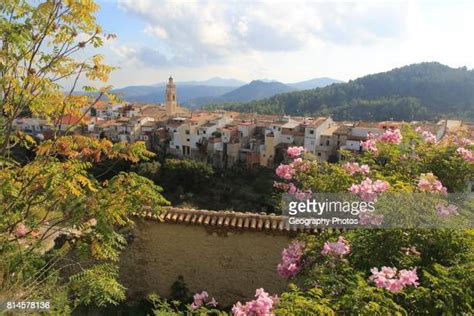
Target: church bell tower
<point x="171" y="104"/>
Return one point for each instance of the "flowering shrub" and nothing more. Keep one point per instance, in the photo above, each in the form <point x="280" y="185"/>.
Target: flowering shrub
<point x="440" y="283"/>
<point x="201" y="299"/>
<point x="429" y="137"/>
<point x="336" y="249"/>
<point x="295" y="151"/>
<point x="370" y="144"/>
<point x="466" y="154"/>
<point x="429" y="183"/>
<point x="290" y="171"/>
<point x="368" y="190"/>
<point x="391" y="136"/>
<point x="353" y="168"/>
<point x="21" y="230"/>
<point x="291" y="259"/>
<point x="285" y="171"/>
<point x="461" y="141"/>
<point x="370" y="219"/>
<point x="388" y="278"/>
<point x="261" y="306"/>
<point x="446" y="210"/>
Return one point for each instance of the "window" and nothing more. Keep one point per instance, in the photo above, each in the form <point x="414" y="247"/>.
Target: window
<point x="204" y="131"/>
<point x="328" y="142"/>
<point x="187" y="132"/>
<point x="187" y="139"/>
<point x="311" y="131"/>
<point x="319" y="154"/>
<point x="177" y="147"/>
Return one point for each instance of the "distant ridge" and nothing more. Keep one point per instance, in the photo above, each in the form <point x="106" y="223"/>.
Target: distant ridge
<point x="313" y="83"/>
<point x="215" y="90"/>
<point x="260" y="89"/>
<point x="421" y="91"/>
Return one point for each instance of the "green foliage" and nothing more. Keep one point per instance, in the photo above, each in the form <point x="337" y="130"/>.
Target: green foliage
<point x="443" y="257"/>
<point x="185" y="173"/>
<point x="297" y="302"/>
<point x="448" y="290"/>
<point x="198" y="184"/>
<point x="98" y="284"/>
<point x="54" y="193"/>
<point x="162" y="307"/>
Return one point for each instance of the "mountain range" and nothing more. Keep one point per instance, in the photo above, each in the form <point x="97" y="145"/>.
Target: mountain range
<point x="424" y="91"/>
<point x="195" y="94"/>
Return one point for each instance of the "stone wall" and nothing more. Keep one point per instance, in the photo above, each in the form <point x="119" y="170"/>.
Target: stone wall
<point x="229" y="263"/>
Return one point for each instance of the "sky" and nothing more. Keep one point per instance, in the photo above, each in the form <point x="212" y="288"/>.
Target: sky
<point x="288" y="41"/>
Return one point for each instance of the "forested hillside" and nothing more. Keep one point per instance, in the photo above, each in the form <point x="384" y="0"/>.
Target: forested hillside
<point x="419" y="91"/>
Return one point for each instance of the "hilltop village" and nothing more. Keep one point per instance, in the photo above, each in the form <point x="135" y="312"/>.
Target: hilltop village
<point x="222" y="138"/>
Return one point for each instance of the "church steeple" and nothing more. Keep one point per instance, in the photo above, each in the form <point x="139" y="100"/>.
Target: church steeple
<point x="171" y="104"/>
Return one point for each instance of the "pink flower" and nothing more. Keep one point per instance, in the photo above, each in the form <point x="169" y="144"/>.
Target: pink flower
<point x="281" y="185"/>
<point x="370" y="219"/>
<point x="261" y="306"/>
<point x="302" y="195"/>
<point x="239" y="310"/>
<point x="461" y="141"/>
<point x="392" y="136"/>
<point x="336" y="249"/>
<point x="212" y="302"/>
<point x="21" y="230"/>
<point x="199" y="298"/>
<point x="370" y="145"/>
<point x="466" y="154"/>
<point x="300" y="165"/>
<point x="388" y="278"/>
<point x="353" y="168"/>
<point x="294" y="151"/>
<point x="429" y="183"/>
<point x="429" y="137"/>
<point x="446" y="210"/>
<point x="193" y="306"/>
<point x="364" y="169"/>
<point x="389" y="272"/>
<point x="291" y="259"/>
<point x="285" y="171"/>
<point x="408" y="277"/>
<point x="291" y="189"/>
<point x="368" y="190"/>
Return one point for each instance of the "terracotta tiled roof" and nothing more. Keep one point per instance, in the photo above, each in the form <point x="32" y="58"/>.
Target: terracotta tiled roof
<point x="227" y="219"/>
<point x="69" y="119"/>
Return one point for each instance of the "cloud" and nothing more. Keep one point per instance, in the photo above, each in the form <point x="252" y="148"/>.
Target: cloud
<point x="194" y="33"/>
<point x="123" y="51"/>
